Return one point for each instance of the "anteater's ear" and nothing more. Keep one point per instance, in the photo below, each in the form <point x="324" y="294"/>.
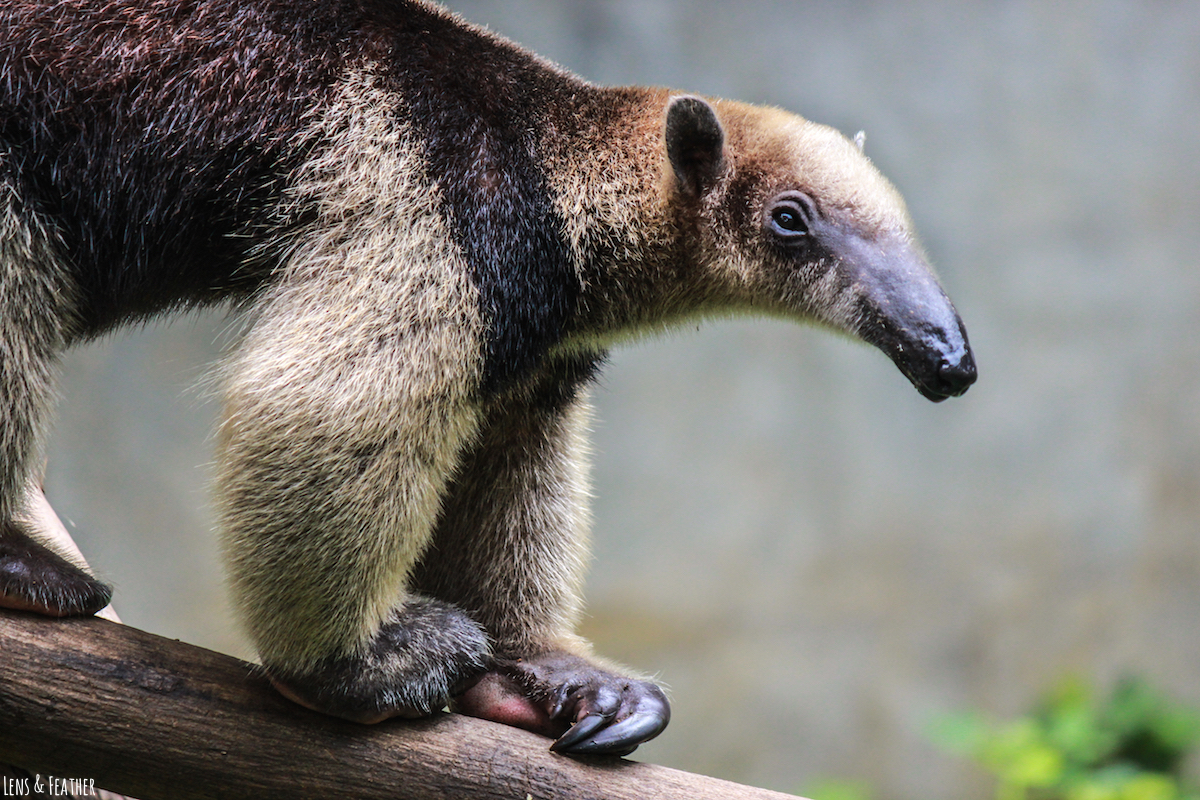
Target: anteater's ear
<point x="695" y="143"/>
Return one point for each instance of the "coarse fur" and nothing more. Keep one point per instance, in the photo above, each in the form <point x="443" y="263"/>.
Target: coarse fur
<point x="435" y="237"/>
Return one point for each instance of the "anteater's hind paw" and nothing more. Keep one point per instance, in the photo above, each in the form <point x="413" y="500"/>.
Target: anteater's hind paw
<point x="35" y="578"/>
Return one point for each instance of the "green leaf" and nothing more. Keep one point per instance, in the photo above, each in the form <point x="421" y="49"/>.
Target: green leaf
<point x="1148" y="786"/>
<point x="839" y="790"/>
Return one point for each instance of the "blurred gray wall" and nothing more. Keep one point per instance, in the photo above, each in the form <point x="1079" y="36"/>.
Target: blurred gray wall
<point x="815" y="559"/>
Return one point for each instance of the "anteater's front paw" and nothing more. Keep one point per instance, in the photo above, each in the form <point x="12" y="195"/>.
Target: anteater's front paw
<point x="589" y="709"/>
<point x="34" y="578"/>
<point x="426" y="653"/>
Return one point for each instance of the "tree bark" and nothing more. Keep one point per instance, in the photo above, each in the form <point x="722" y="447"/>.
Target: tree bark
<point x="156" y="718"/>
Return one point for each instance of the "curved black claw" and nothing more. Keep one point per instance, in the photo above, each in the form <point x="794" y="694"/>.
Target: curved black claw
<point x="580" y="732"/>
<point x="620" y="739"/>
<point x="612" y="718"/>
<point x="557" y="693"/>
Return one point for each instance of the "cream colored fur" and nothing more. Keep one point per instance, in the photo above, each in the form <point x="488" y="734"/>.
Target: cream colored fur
<point x="369" y="344"/>
<point x="37" y="306"/>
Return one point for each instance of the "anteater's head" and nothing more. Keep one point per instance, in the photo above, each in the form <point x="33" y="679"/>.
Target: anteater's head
<point x="791" y="218"/>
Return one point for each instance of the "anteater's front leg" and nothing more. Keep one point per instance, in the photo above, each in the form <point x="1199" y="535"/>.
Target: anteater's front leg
<point x="511" y="549"/>
<point x="342" y="430"/>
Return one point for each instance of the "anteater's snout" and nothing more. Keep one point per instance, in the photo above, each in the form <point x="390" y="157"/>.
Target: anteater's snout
<point x="935" y="356"/>
<point x="953" y="377"/>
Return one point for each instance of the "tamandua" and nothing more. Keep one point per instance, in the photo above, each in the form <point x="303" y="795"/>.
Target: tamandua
<point x="435" y="237"/>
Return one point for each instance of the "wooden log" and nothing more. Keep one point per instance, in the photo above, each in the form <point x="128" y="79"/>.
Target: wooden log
<point x="156" y="718"/>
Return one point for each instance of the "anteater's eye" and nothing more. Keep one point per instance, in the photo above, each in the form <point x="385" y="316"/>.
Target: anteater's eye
<point x="788" y="219"/>
<point x="790" y="216"/>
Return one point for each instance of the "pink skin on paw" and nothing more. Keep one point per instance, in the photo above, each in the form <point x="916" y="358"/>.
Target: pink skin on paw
<point x="498" y="698"/>
<point x="586" y="709"/>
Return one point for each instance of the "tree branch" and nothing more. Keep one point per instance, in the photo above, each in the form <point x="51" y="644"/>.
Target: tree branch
<point x="156" y="718"/>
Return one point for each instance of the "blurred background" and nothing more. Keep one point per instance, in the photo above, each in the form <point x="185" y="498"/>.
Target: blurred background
<point x="816" y="560"/>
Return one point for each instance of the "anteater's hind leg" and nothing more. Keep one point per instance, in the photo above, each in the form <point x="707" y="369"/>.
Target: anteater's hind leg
<point x="36" y="315"/>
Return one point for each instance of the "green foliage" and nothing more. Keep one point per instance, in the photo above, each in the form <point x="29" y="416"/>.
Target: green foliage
<point x="1073" y="747"/>
<point x="839" y="790"/>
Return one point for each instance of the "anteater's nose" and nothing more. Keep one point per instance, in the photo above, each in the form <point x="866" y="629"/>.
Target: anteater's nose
<point x="958" y="375"/>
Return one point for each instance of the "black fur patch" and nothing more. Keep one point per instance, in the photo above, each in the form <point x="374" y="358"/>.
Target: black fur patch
<point x="426" y="652"/>
<point x="152" y="132"/>
<point x="478" y="105"/>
